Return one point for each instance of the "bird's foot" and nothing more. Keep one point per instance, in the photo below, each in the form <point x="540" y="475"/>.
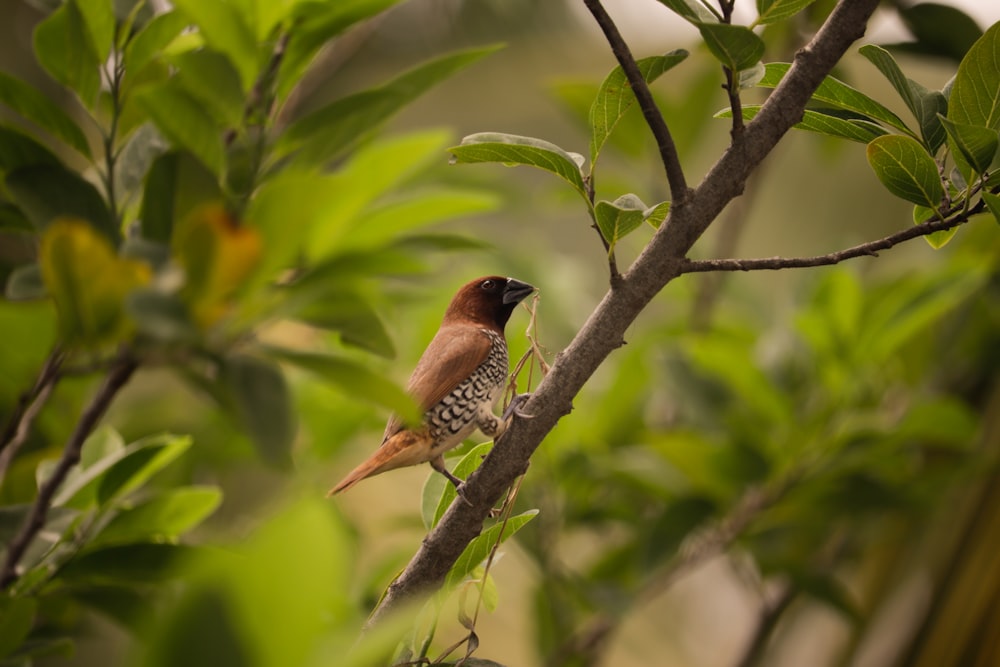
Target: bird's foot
<point x="515" y="408"/>
<point x="460" y="491"/>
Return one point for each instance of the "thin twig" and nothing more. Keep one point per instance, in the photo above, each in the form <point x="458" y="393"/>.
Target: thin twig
<point x="19" y="422"/>
<point x="117" y="377"/>
<point x="664" y="141"/>
<point x="869" y="249"/>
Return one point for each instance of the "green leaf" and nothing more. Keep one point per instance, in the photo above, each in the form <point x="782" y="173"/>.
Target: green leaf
<point x="184" y="121"/>
<point x="45" y="192"/>
<point x="176" y="185"/>
<point x="40" y="110"/>
<point x="940" y="30"/>
<point x="325" y="134"/>
<point x="840" y="95"/>
<point x="149" y="43"/>
<point x="202" y="631"/>
<point x="132" y="466"/>
<point x="772" y="11"/>
<point x="210" y="78"/>
<point x="262" y="404"/>
<point x="351" y="316"/>
<point x="64" y="48"/>
<point x="99" y="19"/>
<point x="163" y="317"/>
<point x="692" y="10"/>
<point x="165" y="516"/>
<point x="992" y="202"/>
<point x="853" y="129"/>
<point x="977" y="144"/>
<point x="354" y="379"/>
<point x="479" y="548"/>
<point x="826" y="589"/>
<point x="735" y="46"/>
<point x="615" y="97"/>
<point x="20" y="150"/>
<point x="936" y="240"/>
<point x="223" y="26"/>
<point x="618" y="218"/>
<point x="974" y="99"/>
<point x="17" y="618"/>
<point x="134" y="563"/>
<point x="465" y="467"/>
<point x="906" y="170"/>
<point x="25" y="283"/>
<point x="511" y="149"/>
<point x="655" y="215"/>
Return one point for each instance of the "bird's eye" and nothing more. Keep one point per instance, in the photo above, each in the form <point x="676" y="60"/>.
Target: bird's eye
<point x="487" y="284"/>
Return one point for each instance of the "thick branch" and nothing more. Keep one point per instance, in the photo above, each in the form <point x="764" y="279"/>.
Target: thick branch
<point x="664" y="142"/>
<point x="870" y="249"/>
<point x="604" y="331"/>
<point x="117" y="376"/>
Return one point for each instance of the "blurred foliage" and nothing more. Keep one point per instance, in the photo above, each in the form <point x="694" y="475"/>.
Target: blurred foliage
<point x="183" y="211"/>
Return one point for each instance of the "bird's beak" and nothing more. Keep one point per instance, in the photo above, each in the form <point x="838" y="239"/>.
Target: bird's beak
<point x="515" y="291"/>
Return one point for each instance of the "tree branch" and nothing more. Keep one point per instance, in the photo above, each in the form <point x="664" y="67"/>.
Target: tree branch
<point x="870" y="249"/>
<point x="659" y="263"/>
<point x="664" y="141"/>
<point x="116" y="378"/>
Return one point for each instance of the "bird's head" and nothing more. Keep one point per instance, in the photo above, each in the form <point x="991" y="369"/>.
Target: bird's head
<point x="487" y="301"/>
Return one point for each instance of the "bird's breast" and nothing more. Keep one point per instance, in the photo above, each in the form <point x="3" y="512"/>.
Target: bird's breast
<point x="454" y="416"/>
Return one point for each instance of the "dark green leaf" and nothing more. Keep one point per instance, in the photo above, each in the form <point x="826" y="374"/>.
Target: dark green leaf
<point x="12" y="219"/>
<point x="479" y="548"/>
<point x="17" y="617"/>
<point x="138" y="563"/>
<point x="838" y="94"/>
<point x="974" y="99"/>
<point x="262" y="405"/>
<point x="906" y="170"/>
<point x="48" y="191"/>
<point x="39" y="109"/>
<point x="184" y="121"/>
<point x="325" y="134"/>
<point x="977" y="144"/>
<point x="64" y="48"/>
<point x="25" y="283"/>
<point x="203" y="631"/>
<point x="225" y="30"/>
<point x="19" y="150"/>
<point x="940" y="30"/>
<point x="353" y="317"/>
<point x="772" y="11"/>
<point x="618" y="218"/>
<point x="512" y="149"/>
<point x="826" y="589"/>
<point x="992" y="202"/>
<point x="163" y="517"/>
<point x="691" y="10"/>
<point x="822" y="123"/>
<point x="177" y="184"/>
<point x="615" y="97"/>
<point x="735" y="46"/>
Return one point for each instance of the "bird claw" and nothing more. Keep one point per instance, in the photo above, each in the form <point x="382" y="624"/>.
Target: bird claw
<point x="460" y="491"/>
<point x="514" y="407"/>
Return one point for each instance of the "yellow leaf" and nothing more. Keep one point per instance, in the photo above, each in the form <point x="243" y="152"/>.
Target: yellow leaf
<point x="88" y="282"/>
<point x="217" y="255"/>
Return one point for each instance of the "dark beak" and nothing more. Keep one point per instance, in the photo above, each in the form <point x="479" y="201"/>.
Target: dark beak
<point x="515" y="291"/>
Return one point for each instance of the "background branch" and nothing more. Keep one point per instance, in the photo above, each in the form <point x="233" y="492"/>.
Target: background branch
<point x="116" y="378"/>
<point x="659" y="263"/>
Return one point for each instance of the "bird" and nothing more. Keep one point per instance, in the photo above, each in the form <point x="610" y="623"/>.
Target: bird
<point x="457" y="382"/>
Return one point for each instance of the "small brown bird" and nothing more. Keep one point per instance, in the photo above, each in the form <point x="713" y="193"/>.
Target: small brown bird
<point x="457" y="382"/>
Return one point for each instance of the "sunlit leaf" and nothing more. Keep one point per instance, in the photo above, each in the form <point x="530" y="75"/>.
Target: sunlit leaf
<point x="853" y="129"/>
<point x="99" y="19"/>
<point x="184" y="121"/>
<point x="655" y="215"/>
<point x="225" y="30"/>
<point x="615" y="97"/>
<point x="64" y="48"/>
<point x="735" y="46"/>
<point x="619" y="218"/>
<point x="263" y="405"/>
<point x="977" y="144"/>
<point x="479" y="548"/>
<point x="163" y="517"/>
<point x="40" y="110"/>
<point x="691" y="10"/>
<point x="974" y="99"/>
<point x="150" y="41"/>
<point x="87" y="281"/>
<point x="906" y="170"/>
<point x="772" y="11"/>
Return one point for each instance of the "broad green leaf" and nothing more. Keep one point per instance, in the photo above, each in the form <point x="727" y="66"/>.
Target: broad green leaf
<point x="465" y="467"/>
<point x="618" y="218"/>
<point x="64" y="48"/>
<point x="177" y="183"/>
<point x="936" y="240"/>
<point x="992" y="202"/>
<point x="165" y="516"/>
<point x="325" y="134"/>
<point x="103" y="443"/>
<point x="974" y="98"/>
<point x="906" y="170"/>
<point x="88" y="282"/>
<point x="887" y="65"/>
<point x="511" y="149"/>
<point x="45" y="192"/>
<point x="772" y="11"/>
<point x="352" y="378"/>
<point x="218" y="255"/>
<point x="20" y="150"/>
<point x="853" y="129"/>
<point x="25" y="283"/>
<point x="840" y="95"/>
<point x="480" y="547"/>
<point x="184" y="121"/>
<point x="99" y="19"/>
<point x="210" y="78"/>
<point x="35" y="107"/>
<point x="17" y="618"/>
<point x="615" y="97"/>
<point x="940" y="30"/>
<point x="655" y="215"/>
<point x="692" y="10"/>
<point x="141" y="563"/>
<point x="262" y="404"/>
<point x="977" y="144"/>
<point x="223" y="26"/>
<point x="352" y="317"/>
<point x="735" y="46"/>
<point x="127" y="468"/>
<point x="149" y="43"/>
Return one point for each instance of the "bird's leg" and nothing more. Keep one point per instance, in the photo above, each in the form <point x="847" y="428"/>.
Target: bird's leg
<point x="514" y="407"/>
<point x="438" y="464"/>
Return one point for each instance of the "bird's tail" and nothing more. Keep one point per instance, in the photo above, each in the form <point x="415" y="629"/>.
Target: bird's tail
<point x="405" y="448"/>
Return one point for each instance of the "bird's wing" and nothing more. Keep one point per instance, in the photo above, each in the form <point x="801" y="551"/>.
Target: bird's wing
<point x="452" y="355"/>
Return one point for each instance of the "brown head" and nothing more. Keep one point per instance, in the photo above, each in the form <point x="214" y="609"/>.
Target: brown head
<point x="487" y="301"/>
